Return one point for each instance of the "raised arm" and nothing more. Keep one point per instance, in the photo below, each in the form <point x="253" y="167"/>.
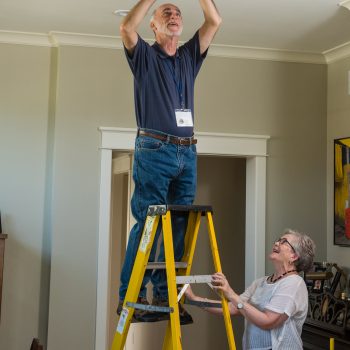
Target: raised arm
<point x="128" y="27"/>
<point x="212" y="21"/>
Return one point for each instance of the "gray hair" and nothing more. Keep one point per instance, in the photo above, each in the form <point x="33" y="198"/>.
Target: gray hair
<point x="304" y="248"/>
<point x="155" y="10"/>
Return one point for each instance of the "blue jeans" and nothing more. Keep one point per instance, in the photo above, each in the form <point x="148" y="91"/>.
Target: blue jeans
<point x="164" y="173"/>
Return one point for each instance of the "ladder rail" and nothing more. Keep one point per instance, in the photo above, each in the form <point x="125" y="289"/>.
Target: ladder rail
<point x="217" y="265"/>
<point x="192" y="231"/>
<point x="174" y="323"/>
<point x="193" y="224"/>
<point x="137" y="274"/>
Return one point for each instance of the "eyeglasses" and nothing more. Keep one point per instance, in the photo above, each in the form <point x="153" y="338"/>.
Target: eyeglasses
<point x="283" y="240"/>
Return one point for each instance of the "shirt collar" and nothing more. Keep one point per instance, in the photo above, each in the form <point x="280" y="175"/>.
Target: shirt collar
<point x="161" y="53"/>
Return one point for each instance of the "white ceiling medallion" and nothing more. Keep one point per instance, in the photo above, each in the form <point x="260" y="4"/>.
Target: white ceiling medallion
<point x="345" y="3"/>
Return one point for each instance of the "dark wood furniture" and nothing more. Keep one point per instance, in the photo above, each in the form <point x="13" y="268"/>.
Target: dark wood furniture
<point x="315" y="338"/>
<point x="2" y="253"/>
<point x="36" y="345"/>
<point x="328" y="317"/>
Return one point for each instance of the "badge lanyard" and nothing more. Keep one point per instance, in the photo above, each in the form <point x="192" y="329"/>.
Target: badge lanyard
<point x="178" y="84"/>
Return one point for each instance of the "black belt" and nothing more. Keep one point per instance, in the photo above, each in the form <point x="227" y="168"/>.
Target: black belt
<point x="184" y="141"/>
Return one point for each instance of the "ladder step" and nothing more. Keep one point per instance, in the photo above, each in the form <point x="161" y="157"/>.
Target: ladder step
<point x="144" y="307"/>
<point x="186" y="208"/>
<point x="161" y="265"/>
<point x="161" y="209"/>
<point x="203" y="304"/>
<point x="193" y="279"/>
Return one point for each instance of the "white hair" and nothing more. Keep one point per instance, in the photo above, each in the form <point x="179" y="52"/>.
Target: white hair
<point x="304" y="248"/>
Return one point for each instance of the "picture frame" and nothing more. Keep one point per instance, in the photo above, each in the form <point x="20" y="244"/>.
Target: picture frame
<point x="317" y="286"/>
<point x="342" y="191"/>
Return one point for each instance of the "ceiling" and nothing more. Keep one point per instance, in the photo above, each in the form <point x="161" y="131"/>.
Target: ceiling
<point x="297" y="25"/>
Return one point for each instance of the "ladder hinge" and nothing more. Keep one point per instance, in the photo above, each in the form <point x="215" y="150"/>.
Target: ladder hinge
<point x="154" y="210"/>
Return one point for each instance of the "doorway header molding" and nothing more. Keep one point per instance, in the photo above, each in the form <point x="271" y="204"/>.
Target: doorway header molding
<point x="208" y="143"/>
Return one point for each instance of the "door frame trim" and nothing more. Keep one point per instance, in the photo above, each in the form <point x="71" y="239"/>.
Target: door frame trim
<point x="251" y="147"/>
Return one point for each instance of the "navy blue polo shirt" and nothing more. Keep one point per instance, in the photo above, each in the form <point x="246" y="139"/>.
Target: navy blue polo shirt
<point x="159" y="79"/>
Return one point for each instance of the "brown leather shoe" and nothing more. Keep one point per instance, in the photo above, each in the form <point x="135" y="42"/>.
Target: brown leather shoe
<point x="140" y="315"/>
<point x="120" y="307"/>
<point x="185" y="317"/>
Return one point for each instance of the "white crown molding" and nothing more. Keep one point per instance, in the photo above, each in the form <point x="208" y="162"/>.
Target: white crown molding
<point x="56" y="39"/>
<point x="114" y="42"/>
<point x="85" y="40"/>
<point x="24" y="38"/>
<point x="337" y="53"/>
<point x="345" y="3"/>
<point x="260" y="53"/>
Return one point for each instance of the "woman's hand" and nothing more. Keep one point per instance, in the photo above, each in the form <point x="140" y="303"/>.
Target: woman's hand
<point x="189" y="293"/>
<point x="220" y="283"/>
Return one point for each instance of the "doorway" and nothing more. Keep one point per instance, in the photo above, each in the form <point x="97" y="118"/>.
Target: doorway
<point x="221" y="184"/>
<point x="253" y="148"/>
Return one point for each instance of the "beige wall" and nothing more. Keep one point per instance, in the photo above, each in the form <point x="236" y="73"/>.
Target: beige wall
<point x="94" y="88"/>
<point x="90" y="94"/>
<point x="288" y="102"/>
<point x="338" y="125"/>
<point x="24" y="96"/>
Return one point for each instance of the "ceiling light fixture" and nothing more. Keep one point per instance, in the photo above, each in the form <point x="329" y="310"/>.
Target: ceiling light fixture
<point x="121" y="13"/>
<point x="345" y="3"/>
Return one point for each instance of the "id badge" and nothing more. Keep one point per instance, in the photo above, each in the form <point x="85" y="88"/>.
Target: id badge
<point x="183" y="117"/>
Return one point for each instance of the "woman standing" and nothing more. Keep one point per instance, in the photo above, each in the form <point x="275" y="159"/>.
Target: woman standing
<point x="275" y="307"/>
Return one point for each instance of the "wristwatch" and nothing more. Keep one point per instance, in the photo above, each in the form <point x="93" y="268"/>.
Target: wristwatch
<point x="240" y="305"/>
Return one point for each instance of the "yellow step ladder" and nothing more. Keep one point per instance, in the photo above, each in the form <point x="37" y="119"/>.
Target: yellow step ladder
<point x="172" y="339"/>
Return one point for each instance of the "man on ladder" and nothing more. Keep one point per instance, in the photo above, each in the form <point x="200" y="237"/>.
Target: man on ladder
<point x="165" y="151"/>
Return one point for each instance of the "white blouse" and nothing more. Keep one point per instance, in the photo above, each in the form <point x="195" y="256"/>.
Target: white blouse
<point x="288" y="295"/>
